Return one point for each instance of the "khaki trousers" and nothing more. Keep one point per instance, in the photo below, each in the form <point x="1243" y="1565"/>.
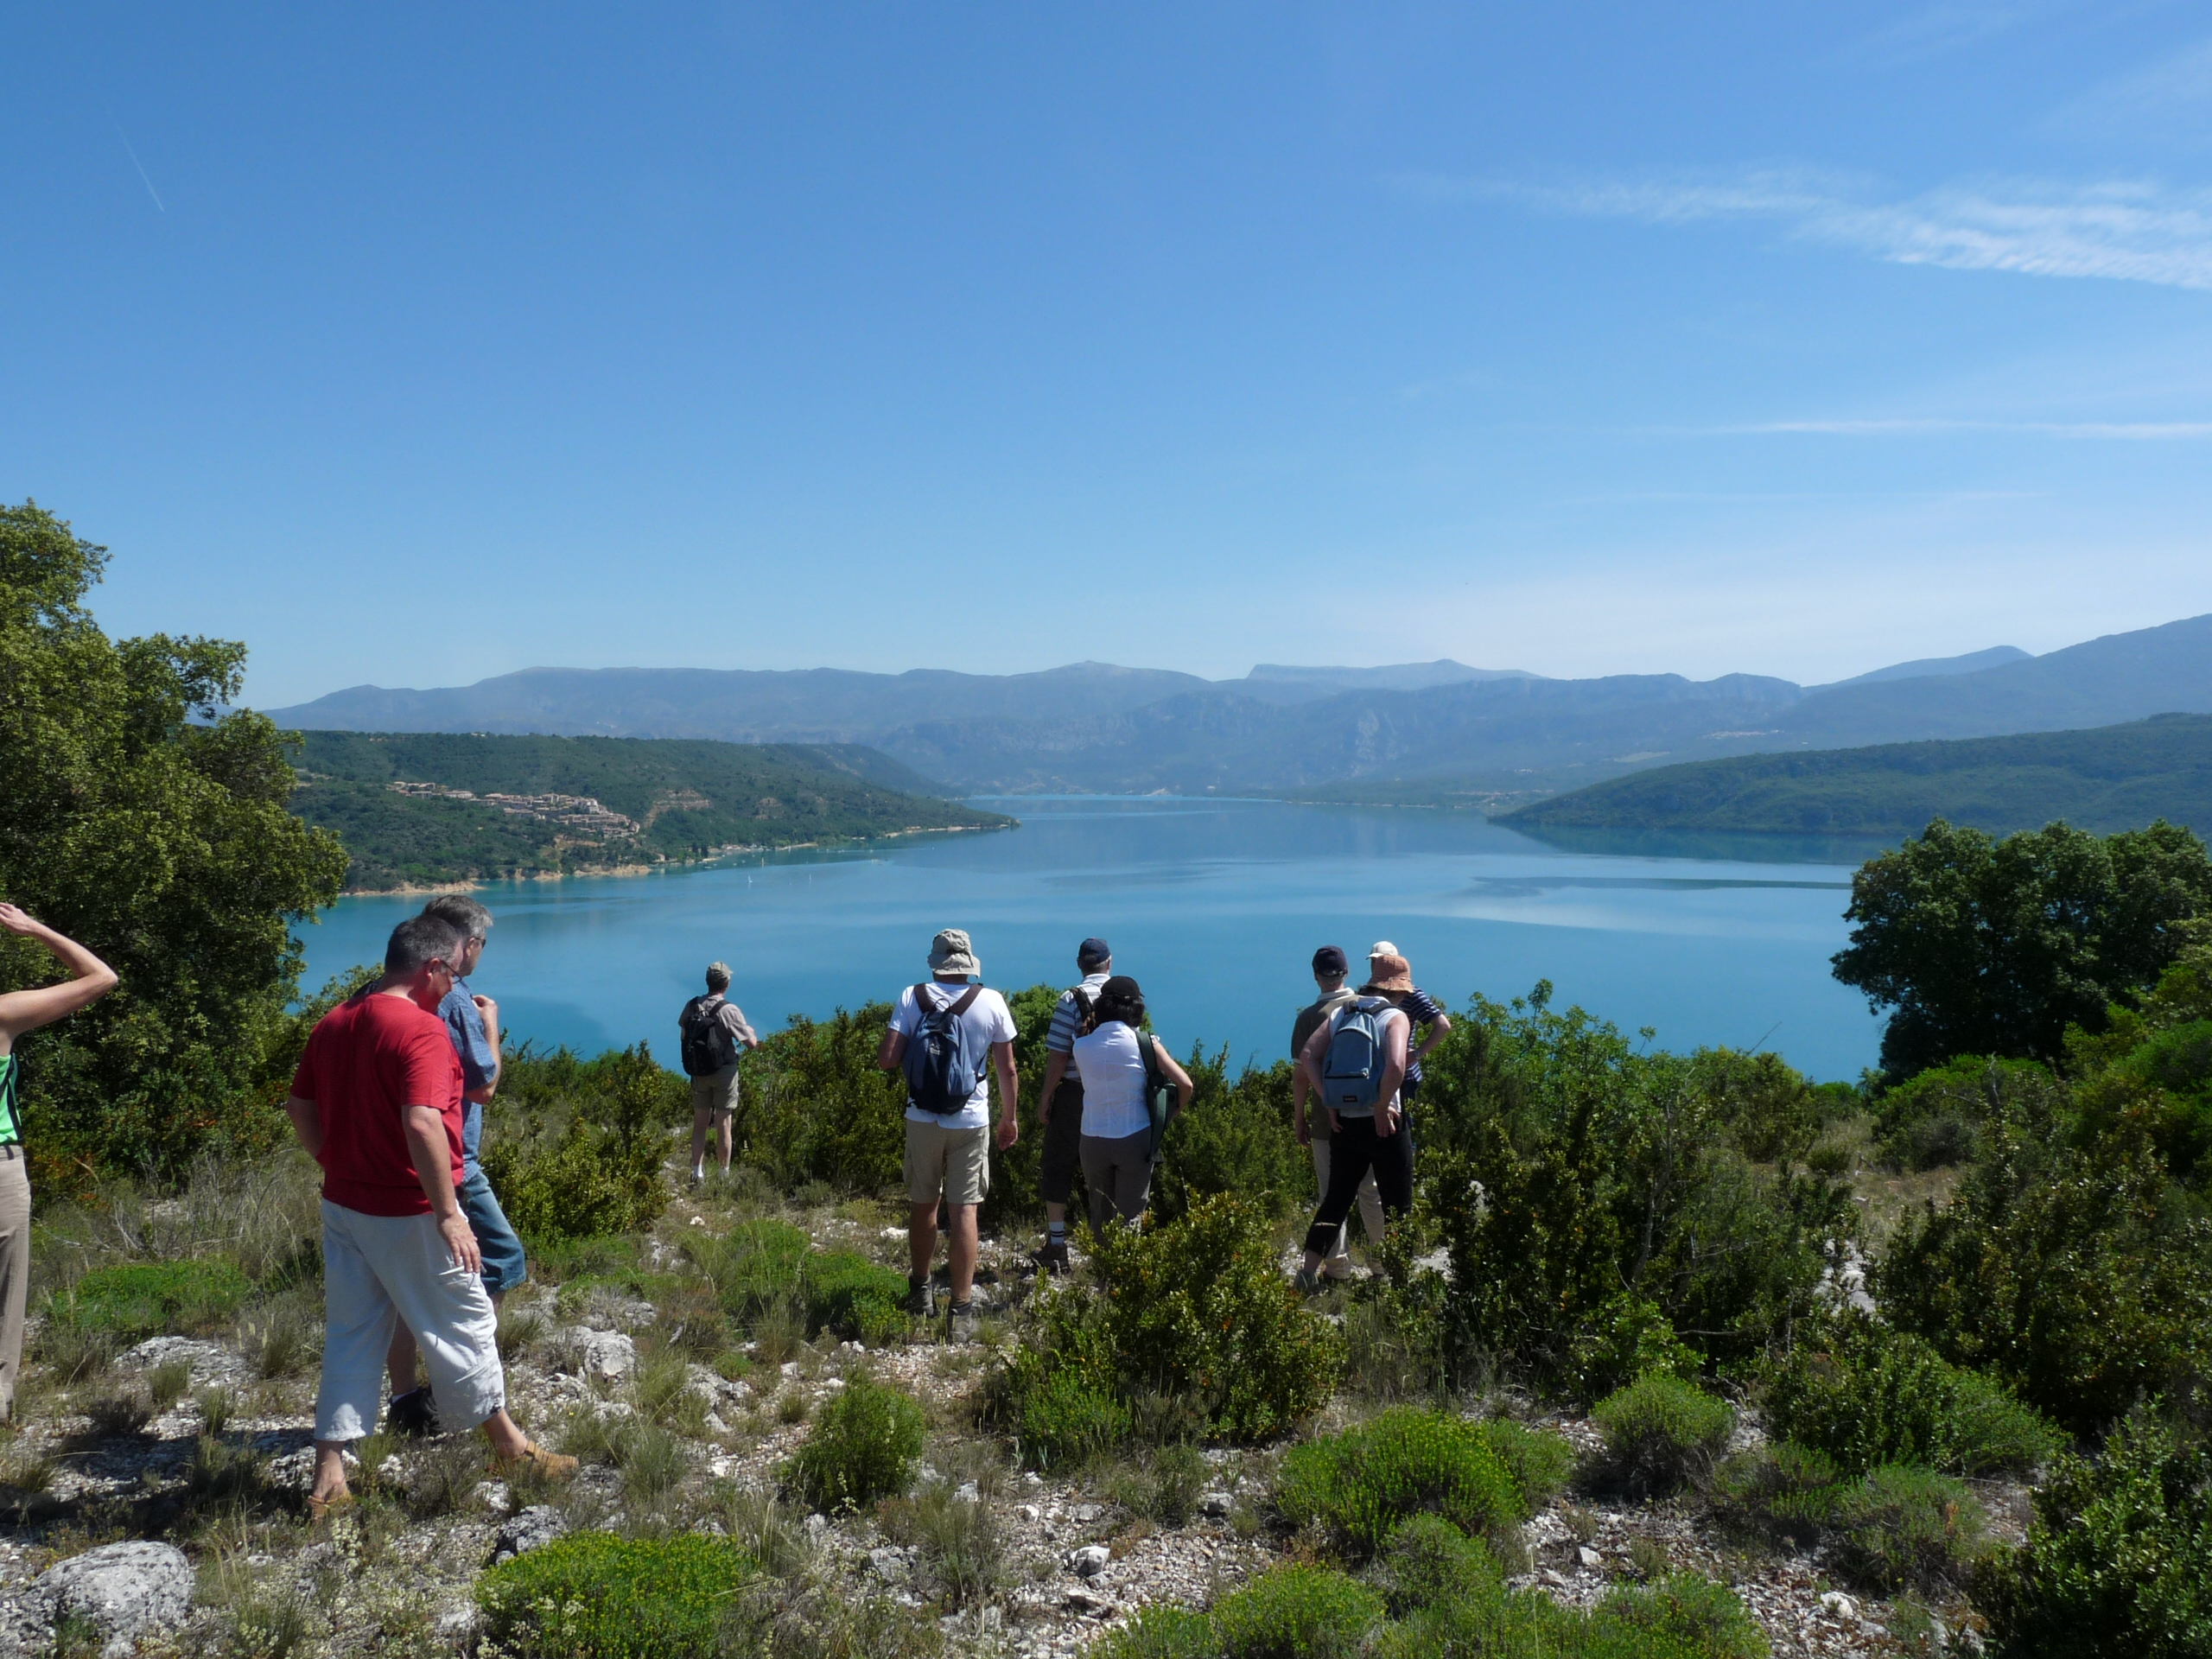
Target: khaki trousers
<point x="1338" y="1264"/>
<point x="15" y="1270"/>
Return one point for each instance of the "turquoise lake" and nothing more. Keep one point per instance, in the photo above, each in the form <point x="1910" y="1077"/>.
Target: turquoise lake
<point x="1215" y="905"/>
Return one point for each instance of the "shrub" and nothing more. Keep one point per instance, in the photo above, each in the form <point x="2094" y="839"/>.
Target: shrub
<point x="1782" y="1493"/>
<point x="1539" y="1463"/>
<point x="1660" y="1431"/>
<point x="1363" y="1483"/>
<point x="962" y="1550"/>
<point x="819" y="1110"/>
<point x="865" y="1445"/>
<point x="1871" y="1395"/>
<point x="2119" y="1558"/>
<point x="1065" y="1418"/>
<point x="2069" y="1264"/>
<point x="1295" y="1612"/>
<point x="1900" y="1526"/>
<point x="754" y="1265"/>
<point x="1426" y="1560"/>
<point x="143" y="1298"/>
<point x="1937" y="1118"/>
<point x="1626" y="1339"/>
<point x="591" y="1595"/>
<point x="1161" y="1633"/>
<point x="1685" y="1615"/>
<point x="1236" y="1140"/>
<point x="848" y="1293"/>
<point x="579" y="1185"/>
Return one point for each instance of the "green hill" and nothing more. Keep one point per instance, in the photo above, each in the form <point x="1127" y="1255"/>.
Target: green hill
<point x="2106" y="778"/>
<point x="657" y="801"/>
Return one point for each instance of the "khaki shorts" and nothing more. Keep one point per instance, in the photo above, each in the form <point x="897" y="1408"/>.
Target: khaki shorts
<point x="715" y="1093"/>
<point x="955" y="1163"/>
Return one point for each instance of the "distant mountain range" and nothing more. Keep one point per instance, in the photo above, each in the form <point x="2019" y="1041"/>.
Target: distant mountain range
<point x="1095" y="727"/>
<point x="2112" y="778"/>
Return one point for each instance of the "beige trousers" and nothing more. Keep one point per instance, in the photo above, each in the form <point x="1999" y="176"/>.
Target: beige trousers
<point x="15" y="1270"/>
<point x="1338" y="1264"/>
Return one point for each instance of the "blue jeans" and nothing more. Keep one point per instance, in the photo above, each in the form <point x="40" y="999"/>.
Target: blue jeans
<point x="504" y="1266"/>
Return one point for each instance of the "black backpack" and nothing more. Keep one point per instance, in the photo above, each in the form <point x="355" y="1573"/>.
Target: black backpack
<point x="708" y="1046"/>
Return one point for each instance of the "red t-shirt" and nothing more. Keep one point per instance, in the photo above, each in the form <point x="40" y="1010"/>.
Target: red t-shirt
<point x="367" y="1061"/>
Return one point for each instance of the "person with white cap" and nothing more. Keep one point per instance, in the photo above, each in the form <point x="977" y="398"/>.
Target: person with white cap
<point x="1391" y="976"/>
<point x="946" y="1036"/>
<point x="1355" y="1062"/>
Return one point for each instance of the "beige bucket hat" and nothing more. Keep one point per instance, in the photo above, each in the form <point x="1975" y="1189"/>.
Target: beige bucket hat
<point x="951" y="953"/>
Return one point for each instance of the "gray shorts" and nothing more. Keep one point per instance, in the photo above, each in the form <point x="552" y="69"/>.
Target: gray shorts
<point x="715" y="1094"/>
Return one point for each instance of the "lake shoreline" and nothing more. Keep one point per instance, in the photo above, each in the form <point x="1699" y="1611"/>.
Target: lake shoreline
<point x="666" y="866"/>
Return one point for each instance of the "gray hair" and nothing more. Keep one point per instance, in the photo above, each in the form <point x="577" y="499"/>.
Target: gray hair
<point x="461" y="914"/>
<point x="718" y="976"/>
<point x="420" y="939"/>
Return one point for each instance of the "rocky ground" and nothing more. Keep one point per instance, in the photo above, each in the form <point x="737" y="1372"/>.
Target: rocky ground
<point x="1072" y="1556"/>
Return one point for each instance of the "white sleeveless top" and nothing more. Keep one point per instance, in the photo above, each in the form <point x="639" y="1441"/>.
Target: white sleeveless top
<point x="1112" y="1069"/>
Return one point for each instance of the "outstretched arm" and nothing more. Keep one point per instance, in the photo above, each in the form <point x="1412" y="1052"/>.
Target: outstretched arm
<point x="92" y="979"/>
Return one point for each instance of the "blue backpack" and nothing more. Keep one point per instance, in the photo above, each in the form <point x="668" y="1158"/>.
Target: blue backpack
<point x="943" y="1063"/>
<point x="1351" y="1071"/>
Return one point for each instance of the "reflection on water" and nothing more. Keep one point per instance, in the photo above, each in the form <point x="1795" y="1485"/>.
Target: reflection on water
<point x="1216" y="906"/>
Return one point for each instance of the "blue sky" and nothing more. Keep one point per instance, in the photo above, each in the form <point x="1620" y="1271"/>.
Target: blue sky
<point x="414" y="345"/>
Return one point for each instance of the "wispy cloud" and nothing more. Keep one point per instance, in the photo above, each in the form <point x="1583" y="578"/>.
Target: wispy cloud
<point x="2135" y="431"/>
<point x="2130" y="231"/>
<point x="141" y="166"/>
<point x="2170" y="100"/>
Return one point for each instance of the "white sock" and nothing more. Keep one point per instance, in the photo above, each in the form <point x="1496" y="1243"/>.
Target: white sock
<point x="699" y="1172"/>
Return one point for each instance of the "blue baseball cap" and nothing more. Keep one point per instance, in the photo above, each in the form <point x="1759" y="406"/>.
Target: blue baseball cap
<point x="1092" y="952"/>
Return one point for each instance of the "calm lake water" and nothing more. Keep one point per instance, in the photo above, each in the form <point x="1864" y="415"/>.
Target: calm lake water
<point x="1216" y="906"/>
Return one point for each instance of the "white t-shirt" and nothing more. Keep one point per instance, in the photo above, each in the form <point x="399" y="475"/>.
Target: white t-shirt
<point x="1111" y="1067"/>
<point x="987" y="1021"/>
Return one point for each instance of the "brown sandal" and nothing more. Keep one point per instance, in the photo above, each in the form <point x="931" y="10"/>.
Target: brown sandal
<point x="552" y="1465"/>
<point x="321" y="1508"/>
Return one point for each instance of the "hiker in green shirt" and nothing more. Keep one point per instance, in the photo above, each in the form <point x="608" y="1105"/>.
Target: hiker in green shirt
<point x="21" y="1011"/>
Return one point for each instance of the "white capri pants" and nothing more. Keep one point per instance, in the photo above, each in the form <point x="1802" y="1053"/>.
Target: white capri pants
<point x="378" y="1268"/>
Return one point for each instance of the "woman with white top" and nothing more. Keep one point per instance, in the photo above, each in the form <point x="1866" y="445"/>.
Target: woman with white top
<point x="1117" y="1150"/>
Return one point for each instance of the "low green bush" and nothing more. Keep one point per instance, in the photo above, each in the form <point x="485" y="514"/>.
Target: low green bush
<point x="1540" y="1463"/>
<point x="1362" y="1483"/>
<point x="1626" y="1339"/>
<point x="864" y="1446"/>
<point x="2118" y="1558"/>
<point x="1684" y="1617"/>
<point x="143" y="1298"/>
<point x="1868" y="1395"/>
<point x="1899" y="1527"/>
<point x="1660" y="1431"/>
<point x="591" y="1595"/>
<point x="1195" y="1313"/>
<point x="1161" y="1633"/>
<point x="848" y="1293"/>
<point x="1427" y="1560"/>
<point x="1066" y="1418"/>
<point x="1296" y="1613"/>
<point x="1937" y="1118"/>
<point x="754" y="1265"/>
<point x="578" y="1186"/>
<point x="1781" y="1493"/>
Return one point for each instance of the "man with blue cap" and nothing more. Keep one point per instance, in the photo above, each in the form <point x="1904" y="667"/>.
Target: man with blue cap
<point x="1059" y="1103"/>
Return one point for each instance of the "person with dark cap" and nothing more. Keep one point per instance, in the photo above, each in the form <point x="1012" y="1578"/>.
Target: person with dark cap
<point x="1059" y="1103"/>
<point x="1119" y="1061"/>
<point x="1311" y="1116"/>
<point x="1355" y="1062"/>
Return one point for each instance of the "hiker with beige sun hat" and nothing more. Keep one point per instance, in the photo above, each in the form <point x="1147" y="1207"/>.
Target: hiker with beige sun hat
<point x="1390" y="975"/>
<point x="947" y="1035"/>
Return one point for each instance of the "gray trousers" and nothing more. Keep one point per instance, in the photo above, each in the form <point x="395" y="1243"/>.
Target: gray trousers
<point x="15" y="1270"/>
<point x="1118" y="1174"/>
<point x="1338" y="1264"/>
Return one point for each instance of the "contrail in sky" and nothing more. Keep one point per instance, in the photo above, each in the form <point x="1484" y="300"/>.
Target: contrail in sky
<point x="141" y="166"/>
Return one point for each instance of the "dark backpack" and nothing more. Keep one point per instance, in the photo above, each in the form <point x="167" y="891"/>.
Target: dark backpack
<point x="943" y="1062"/>
<point x="1162" y="1099"/>
<point x="708" y="1046"/>
<point x="1351" y="1071"/>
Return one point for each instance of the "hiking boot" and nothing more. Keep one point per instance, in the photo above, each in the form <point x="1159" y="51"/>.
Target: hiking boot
<point x="1308" y="1282"/>
<point x="551" y="1464"/>
<point x="960" y="1323"/>
<point x="1051" y="1258"/>
<point x="411" y="1415"/>
<point x="921" y="1298"/>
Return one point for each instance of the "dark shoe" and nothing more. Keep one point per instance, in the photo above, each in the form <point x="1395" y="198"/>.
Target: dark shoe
<point x="960" y="1323"/>
<point x="1307" y="1281"/>
<point x="921" y="1298"/>
<point x="411" y="1415"/>
<point x="1052" y="1258"/>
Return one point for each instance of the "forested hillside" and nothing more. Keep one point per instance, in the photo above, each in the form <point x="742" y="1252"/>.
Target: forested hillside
<point x="2109" y="778"/>
<point x="486" y="807"/>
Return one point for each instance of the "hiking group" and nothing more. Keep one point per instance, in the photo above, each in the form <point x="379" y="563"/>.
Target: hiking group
<point x="389" y="1099"/>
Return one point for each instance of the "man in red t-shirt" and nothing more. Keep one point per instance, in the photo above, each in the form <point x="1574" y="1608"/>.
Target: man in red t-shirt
<point x="377" y="1103"/>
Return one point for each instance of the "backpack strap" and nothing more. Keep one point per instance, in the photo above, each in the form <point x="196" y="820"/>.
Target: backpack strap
<point x="959" y="1005"/>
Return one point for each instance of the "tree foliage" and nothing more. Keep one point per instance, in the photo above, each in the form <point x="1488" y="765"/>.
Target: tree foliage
<point x="161" y="841"/>
<point x="1996" y="947"/>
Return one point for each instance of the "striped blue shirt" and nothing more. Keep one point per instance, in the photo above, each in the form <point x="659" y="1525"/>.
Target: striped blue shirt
<point x="1060" y="1038"/>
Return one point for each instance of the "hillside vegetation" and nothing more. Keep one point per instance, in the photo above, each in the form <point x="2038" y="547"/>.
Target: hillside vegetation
<point x="662" y="800"/>
<point x="2108" y="778"/>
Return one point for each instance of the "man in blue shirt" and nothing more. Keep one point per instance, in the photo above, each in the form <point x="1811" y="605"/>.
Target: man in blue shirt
<point x="473" y="1023"/>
